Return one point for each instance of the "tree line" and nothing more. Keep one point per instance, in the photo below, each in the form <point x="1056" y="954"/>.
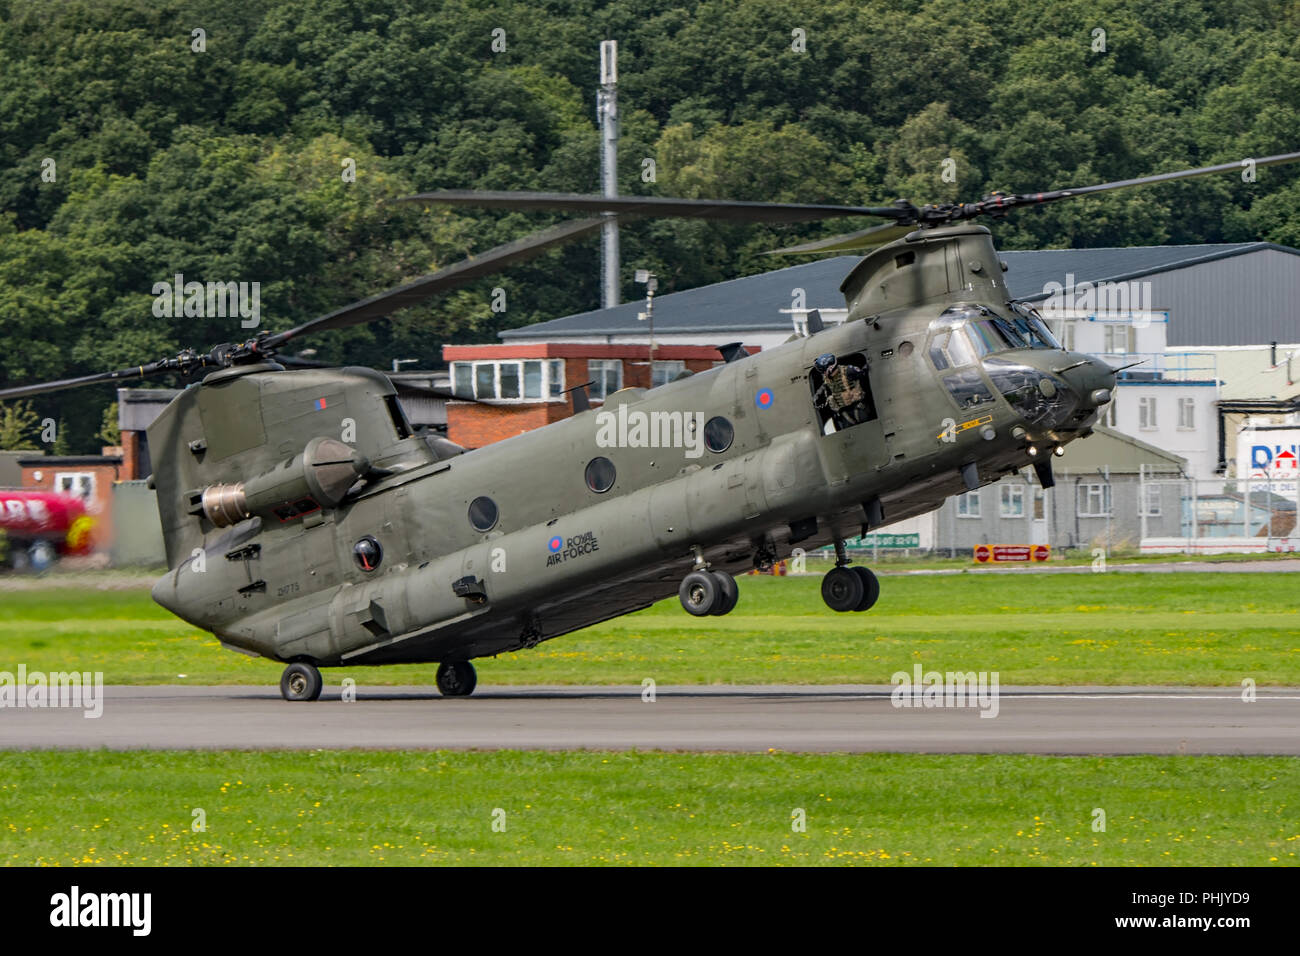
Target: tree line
<point x="256" y="142"/>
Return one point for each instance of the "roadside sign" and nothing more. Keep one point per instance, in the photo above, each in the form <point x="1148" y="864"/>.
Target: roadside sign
<point x="986" y="553"/>
<point x="885" y="541"/>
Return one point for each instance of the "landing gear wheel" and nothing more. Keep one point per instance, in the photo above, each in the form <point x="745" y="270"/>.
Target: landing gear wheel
<point x="700" y="592"/>
<point x="457" y="678"/>
<point x="300" y="682"/>
<point x="842" y="589"/>
<point x="870" y="588"/>
<point x="728" y="593"/>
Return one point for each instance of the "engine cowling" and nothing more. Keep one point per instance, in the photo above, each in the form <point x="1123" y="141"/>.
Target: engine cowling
<point x="319" y="477"/>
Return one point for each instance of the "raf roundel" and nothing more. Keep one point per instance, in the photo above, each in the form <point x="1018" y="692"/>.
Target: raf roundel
<point x="555" y="544"/>
<point x="764" y="398"/>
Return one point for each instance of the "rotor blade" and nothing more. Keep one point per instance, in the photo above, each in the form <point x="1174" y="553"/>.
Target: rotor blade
<point x="444" y="280"/>
<point x="864" y="239"/>
<point x="657" y="206"/>
<point x="998" y="203"/>
<point x="136" y="371"/>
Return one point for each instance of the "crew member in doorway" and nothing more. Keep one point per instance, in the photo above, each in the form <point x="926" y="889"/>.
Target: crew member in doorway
<point x="842" y="392"/>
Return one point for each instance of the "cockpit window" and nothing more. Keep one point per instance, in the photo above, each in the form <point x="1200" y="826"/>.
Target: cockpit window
<point x="951" y="348"/>
<point x="986" y="338"/>
<point x="967" y="332"/>
<point x="1039" y="335"/>
<point x="967" y="388"/>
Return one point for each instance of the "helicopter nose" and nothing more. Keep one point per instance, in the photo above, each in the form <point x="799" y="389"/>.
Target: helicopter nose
<point x="1092" y="378"/>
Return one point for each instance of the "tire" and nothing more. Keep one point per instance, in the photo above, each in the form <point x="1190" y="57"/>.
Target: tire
<point x="300" y="681"/>
<point x="457" y="678"/>
<point x="699" y="593"/>
<point x="842" y="589"/>
<point x="870" y="588"/>
<point x="728" y="593"/>
<point x="42" y="555"/>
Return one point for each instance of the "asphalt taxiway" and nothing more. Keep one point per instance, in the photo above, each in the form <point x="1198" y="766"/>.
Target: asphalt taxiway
<point x="1034" y="720"/>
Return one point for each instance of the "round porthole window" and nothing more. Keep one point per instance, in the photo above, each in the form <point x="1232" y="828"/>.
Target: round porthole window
<point x="600" y="474"/>
<point x="367" y="553"/>
<point x="718" y="434"/>
<point x="483" y="513"/>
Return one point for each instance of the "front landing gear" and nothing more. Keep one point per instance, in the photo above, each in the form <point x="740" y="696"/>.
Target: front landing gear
<point x="457" y="678"/>
<point x="849" y="588"/>
<point x="708" y="592"/>
<point x="300" y="682"/>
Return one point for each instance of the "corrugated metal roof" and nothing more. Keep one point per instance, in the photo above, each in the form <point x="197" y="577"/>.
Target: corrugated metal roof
<point x="752" y="302"/>
<point x="1030" y="271"/>
<point x="755" y="302"/>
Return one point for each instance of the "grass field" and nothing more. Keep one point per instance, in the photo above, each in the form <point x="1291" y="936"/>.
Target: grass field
<point x="359" y="808"/>
<point x="1111" y="628"/>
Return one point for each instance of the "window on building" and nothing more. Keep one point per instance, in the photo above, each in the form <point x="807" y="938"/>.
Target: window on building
<point x="485" y="380"/>
<point x="1147" y="412"/>
<point x="1186" y="413"/>
<point x="1094" y="501"/>
<point x="508" y="384"/>
<point x="1067" y="335"/>
<point x="606" y="377"/>
<point x="661" y="373"/>
<point x="462" y="379"/>
<point x="1013" y="501"/>
<point x="533" y="380"/>
<point x="1120" y="339"/>
<point x="1151" y="500"/>
<point x="968" y="505"/>
<point x="79" y="483"/>
<point x="1040" y="510"/>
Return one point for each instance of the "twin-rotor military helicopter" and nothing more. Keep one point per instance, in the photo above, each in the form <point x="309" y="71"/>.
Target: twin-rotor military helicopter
<point x="287" y="542"/>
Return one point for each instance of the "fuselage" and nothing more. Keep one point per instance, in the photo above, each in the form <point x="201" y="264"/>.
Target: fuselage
<point x="443" y="559"/>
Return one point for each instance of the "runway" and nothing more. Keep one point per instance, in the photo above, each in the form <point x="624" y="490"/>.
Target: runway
<point x="1043" y="720"/>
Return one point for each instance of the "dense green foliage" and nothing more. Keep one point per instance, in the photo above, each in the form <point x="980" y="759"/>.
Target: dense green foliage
<point x="226" y="164"/>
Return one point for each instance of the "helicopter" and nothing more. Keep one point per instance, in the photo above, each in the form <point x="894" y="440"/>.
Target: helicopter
<point x="306" y="522"/>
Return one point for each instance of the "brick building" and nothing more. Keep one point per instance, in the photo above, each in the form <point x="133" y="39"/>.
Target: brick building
<point x="528" y="382"/>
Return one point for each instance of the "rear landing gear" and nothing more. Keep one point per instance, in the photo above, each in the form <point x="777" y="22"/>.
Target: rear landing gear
<point x="847" y="588"/>
<point x="457" y="678"/>
<point x="300" y="681"/>
<point x="708" y="592"/>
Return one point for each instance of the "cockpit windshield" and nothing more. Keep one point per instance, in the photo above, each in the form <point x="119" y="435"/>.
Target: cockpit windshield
<point x="1037" y="331"/>
<point x="966" y="333"/>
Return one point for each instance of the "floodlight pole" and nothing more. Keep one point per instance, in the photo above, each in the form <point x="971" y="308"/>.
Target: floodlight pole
<point x="607" y="116"/>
